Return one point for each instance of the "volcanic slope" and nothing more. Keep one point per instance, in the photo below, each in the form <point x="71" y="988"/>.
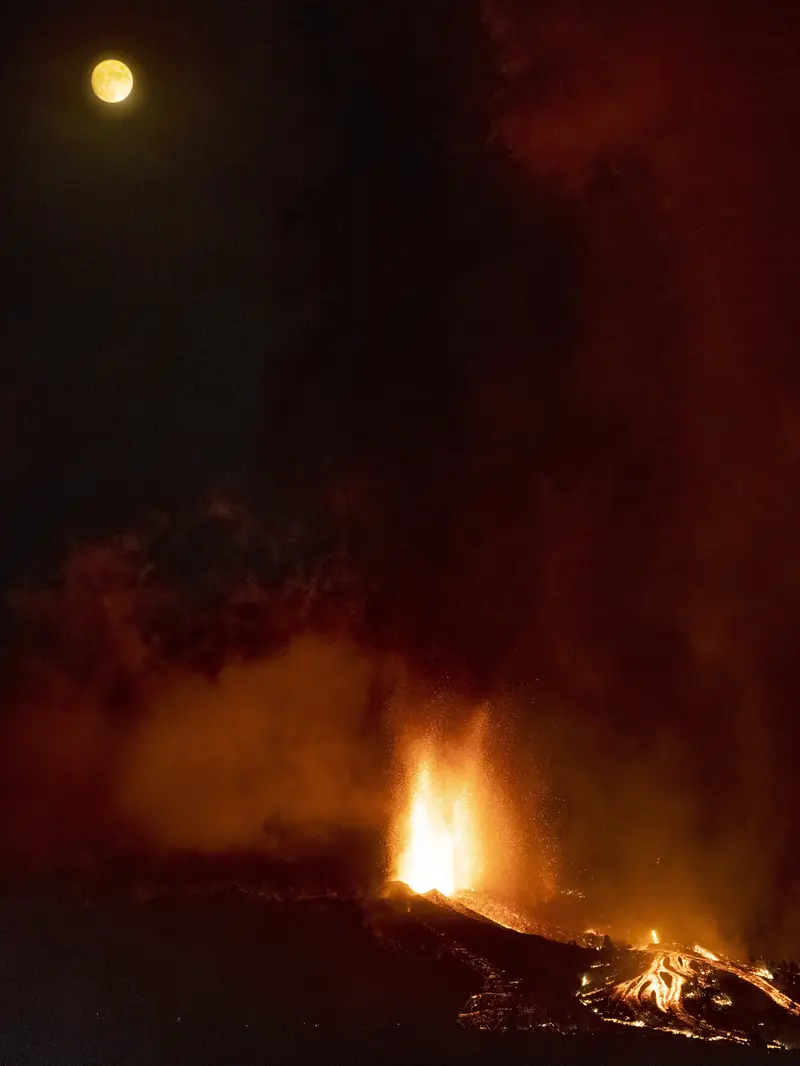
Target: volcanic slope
<point x="239" y="977"/>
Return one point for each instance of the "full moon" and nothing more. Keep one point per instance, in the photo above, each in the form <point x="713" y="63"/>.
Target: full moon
<point x="112" y="81"/>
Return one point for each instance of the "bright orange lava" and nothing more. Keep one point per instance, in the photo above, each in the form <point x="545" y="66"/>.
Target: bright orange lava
<point x="438" y="839"/>
<point x="671" y="981"/>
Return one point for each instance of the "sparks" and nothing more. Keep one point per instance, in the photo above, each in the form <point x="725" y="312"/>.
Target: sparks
<point x="706" y="953"/>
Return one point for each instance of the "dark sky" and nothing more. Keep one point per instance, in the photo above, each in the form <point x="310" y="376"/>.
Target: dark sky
<point x="520" y="280"/>
<point x="299" y="265"/>
<point x="146" y="249"/>
<point x="242" y="281"/>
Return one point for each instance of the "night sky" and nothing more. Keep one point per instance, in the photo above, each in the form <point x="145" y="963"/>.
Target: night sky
<point x="502" y="298"/>
<point x="243" y="282"/>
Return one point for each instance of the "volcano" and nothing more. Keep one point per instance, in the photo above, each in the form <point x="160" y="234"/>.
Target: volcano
<point x="237" y="975"/>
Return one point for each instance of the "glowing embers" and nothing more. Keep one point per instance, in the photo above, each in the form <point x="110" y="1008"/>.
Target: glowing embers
<point x="501" y="912"/>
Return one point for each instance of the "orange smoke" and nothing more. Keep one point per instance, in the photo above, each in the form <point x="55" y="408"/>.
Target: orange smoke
<point x="138" y="721"/>
<point x="269" y="751"/>
<point x="683" y="362"/>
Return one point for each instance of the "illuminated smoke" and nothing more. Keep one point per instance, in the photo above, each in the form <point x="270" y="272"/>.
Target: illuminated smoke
<point x="669" y="577"/>
<point x="222" y="718"/>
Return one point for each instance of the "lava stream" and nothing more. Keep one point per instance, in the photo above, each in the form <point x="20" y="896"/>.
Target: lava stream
<point x="663" y="989"/>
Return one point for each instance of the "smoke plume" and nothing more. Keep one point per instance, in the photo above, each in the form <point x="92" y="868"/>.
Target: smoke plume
<point x="142" y="718"/>
<point x="668" y="578"/>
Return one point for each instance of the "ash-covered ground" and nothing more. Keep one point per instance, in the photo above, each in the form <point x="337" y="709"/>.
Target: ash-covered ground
<point x="235" y="976"/>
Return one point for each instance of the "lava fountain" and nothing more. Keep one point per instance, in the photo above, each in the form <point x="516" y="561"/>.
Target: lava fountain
<point x="448" y="809"/>
<point x="441" y="846"/>
<point x="456" y="829"/>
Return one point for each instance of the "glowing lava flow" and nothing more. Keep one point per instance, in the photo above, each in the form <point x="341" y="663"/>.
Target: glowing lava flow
<point x="757" y="976"/>
<point x="673" y="976"/>
<point x="660" y="986"/>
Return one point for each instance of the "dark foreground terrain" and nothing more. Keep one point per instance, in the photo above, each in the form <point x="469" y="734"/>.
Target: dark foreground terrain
<point x="235" y="977"/>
